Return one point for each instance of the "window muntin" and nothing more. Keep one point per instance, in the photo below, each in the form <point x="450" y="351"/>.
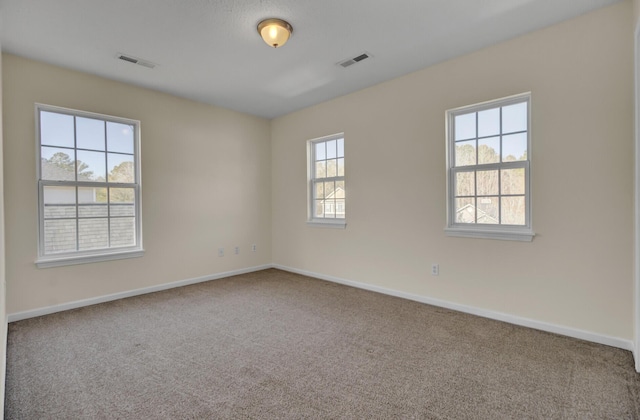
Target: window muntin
<point x="88" y="186"/>
<point x="327" y="193"/>
<point x="488" y="165"/>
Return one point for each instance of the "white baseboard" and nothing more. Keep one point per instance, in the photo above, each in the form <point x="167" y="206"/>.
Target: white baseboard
<point x="121" y="295"/>
<point x="525" y="322"/>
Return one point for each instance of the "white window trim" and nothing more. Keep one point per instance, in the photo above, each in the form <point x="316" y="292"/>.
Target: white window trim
<point x="506" y="234"/>
<point x="47" y="262"/>
<point x="90" y="256"/>
<point x="320" y="221"/>
<point x="486" y="231"/>
<point x="328" y="223"/>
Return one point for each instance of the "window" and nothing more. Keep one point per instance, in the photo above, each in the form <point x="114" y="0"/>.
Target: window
<point x="88" y="187"/>
<point x="488" y="159"/>
<point x="327" y="192"/>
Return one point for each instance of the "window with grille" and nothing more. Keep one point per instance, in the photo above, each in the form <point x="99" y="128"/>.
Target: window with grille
<point x="88" y="187"/>
<point x="327" y="192"/>
<point x="488" y="161"/>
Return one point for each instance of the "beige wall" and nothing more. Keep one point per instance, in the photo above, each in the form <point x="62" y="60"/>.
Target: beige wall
<point x="206" y="175"/>
<point x="636" y="12"/>
<point x="577" y="272"/>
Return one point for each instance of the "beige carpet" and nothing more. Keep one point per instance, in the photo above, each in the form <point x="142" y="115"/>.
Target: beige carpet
<point x="275" y="345"/>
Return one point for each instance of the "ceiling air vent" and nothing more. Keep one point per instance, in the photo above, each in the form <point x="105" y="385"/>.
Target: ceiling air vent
<point x="354" y="60"/>
<point x="135" y="60"/>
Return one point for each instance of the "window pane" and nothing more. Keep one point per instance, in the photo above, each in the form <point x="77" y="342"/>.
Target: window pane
<point x="487" y="182"/>
<point x="514" y="118"/>
<point x="121" y="202"/>
<point x="465" y="210"/>
<point x="332" y="167"/>
<point x="93" y="233"/>
<point x="92" y="202"/>
<point x="321" y="169"/>
<point x="489" y="122"/>
<point x="513" y="211"/>
<point x="123" y="231"/>
<point x="81" y="150"/>
<point x="321" y="151"/>
<point x="57" y="164"/>
<point x="319" y="208"/>
<point x="465" y="184"/>
<point x="121" y="168"/>
<point x="488" y="210"/>
<point x="512" y="181"/>
<point x="59" y="202"/>
<point x="465" y="126"/>
<point x="332" y="149"/>
<point x="119" y="137"/>
<point x="90" y="133"/>
<point x="488" y="170"/>
<point x="489" y="150"/>
<point x="514" y="147"/>
<point x="340" y="209"/>
<point x="340" y="167"/>
<point x="330" y="208"/>
<point x="329" y="188"/>
<point x="339" y="193"/>
<point x="59" y="235"/>
<point x="91" y="166"/>
<point x="329" y="164"/>
<point x="319" y="190"/>
<point x="56" y="129"/>
<point x="466" y="153"/>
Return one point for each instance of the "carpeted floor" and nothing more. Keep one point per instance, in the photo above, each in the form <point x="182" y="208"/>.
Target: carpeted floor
<point x="276" y="345"/>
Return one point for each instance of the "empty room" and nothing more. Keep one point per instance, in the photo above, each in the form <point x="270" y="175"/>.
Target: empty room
<point x="320" y="209"/>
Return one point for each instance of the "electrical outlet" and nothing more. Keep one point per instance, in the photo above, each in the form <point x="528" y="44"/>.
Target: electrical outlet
<point x="220" y="252"/>
<point x="435" y="269"/>
<point x="236" y="250"/>
<point x="253" y="247"/>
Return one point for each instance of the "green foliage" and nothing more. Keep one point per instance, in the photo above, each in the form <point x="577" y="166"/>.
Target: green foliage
<point x="64" y="165"/>
<point x="123" y="173"/>
<point x="64" y="168"/>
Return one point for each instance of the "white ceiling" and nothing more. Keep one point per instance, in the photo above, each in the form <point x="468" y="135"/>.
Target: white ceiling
<point x="210" y="50"/>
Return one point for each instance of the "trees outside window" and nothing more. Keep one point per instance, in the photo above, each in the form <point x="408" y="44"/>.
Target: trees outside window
<point x="489" y="170"/>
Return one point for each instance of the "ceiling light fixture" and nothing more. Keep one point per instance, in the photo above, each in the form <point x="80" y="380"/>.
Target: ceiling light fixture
<point x="275" y="32"/>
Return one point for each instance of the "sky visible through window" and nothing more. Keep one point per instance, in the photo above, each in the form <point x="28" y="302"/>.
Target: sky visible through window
<point x="57" y="136"/>
<point x="487" y="126"/>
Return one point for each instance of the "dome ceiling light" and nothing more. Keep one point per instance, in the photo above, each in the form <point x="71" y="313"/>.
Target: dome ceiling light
<point x="275" y="32"/>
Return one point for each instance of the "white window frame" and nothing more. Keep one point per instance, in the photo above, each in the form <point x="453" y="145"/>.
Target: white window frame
<point x="88" y="256"/>
<point x="488" y="231"/>
<point x="312" y="220"/>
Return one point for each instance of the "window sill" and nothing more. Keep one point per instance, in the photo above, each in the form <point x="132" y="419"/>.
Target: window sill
<point x="53" y="261"/>
<point x="328" y="223"/>
<point x="523" y="235"/>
